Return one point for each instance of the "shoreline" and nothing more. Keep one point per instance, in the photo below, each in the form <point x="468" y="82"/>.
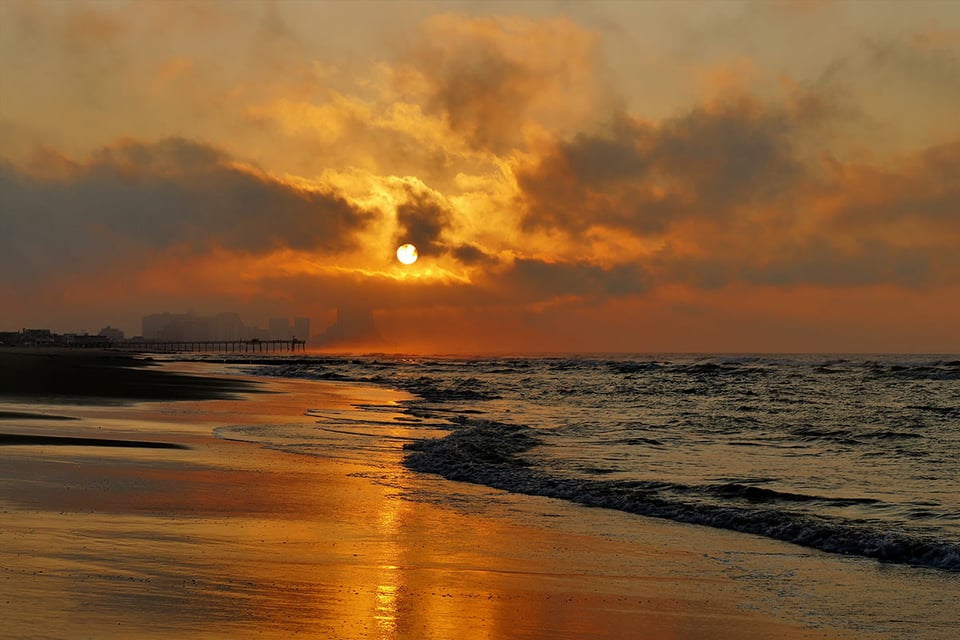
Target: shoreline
<point x="224" y="539"/>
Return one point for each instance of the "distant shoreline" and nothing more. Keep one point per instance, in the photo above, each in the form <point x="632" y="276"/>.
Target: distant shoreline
<point x="61" y="374"/>
<point x="84" y="376"/>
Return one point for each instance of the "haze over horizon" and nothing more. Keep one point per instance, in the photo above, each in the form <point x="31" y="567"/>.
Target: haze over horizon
<point x="602" y="176"/>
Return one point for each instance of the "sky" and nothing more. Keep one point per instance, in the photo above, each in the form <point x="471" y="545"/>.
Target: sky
<point x="777" y="176"/>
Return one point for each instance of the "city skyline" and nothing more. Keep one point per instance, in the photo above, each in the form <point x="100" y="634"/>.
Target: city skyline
<point x="225" y="325"/>
<point x="352" y="327"/>
<point x="590" y="177"/>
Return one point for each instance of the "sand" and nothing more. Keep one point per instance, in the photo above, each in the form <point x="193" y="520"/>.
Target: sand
<point x="218" y="539"/>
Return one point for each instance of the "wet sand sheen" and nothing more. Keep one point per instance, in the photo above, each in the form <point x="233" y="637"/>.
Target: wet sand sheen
<point x="226" y="539"/>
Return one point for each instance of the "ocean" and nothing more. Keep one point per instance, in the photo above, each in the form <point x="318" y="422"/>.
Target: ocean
<point x="853" y="455"/>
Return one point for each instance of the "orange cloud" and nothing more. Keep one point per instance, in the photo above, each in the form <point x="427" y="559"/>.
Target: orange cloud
<point x="490" y="77"/>
<point x="540" y="201"/>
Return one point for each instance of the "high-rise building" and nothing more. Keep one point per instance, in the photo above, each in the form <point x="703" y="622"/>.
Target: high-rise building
<point x="228" y="326"/>
<point x="280" y="329"/>
<point x="187" y="326"/>
<point x="172" y="326"/>
<point x="301" y="328"/>
<point x="111" y="333"/>
<point x="355" y="320"/>
<point x="354" y="326"/>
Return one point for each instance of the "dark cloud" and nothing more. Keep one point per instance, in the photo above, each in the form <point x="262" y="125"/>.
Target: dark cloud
<point x="153" y="196"/>
<point x="481" y="94"/>
<point x="896" y="225"/>
<point x="540" y="280"/>
<point x="620" y="154"/>
<point x="925" y="193"/>
<point x="817" y="261"/>
<point x="825" y="263"/>
<point x="763" y="213"/>
<point x="422" y="219"/>
<point x="920" y="61"/>
<point x="470" y="254"/>
<point x="641" y="177"/>
<point x="727" y="157"/>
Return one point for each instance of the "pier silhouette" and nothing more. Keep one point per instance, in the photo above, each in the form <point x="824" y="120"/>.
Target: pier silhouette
<point x="199" y="346"/>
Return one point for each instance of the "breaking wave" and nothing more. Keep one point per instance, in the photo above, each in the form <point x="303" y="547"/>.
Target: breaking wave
<point x="854" y="455"/>
<point x="489" y="453"/>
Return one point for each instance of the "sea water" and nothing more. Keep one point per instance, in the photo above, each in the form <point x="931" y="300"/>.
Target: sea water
<point x="855" y="455"/>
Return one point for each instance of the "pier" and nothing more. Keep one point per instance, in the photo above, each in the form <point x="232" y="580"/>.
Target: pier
<point x="200" y="346"/>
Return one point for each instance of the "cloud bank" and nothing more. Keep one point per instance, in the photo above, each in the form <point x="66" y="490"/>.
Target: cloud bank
<point x="507" y="148"/>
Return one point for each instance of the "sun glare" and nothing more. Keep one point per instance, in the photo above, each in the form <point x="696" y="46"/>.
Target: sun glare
<point x="407" y="254"/>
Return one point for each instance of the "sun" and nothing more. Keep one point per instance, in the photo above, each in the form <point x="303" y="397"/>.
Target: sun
<point x="407" y="254"/>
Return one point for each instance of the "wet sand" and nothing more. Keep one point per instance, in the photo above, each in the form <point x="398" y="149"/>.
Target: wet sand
<point x="218" y="539"/>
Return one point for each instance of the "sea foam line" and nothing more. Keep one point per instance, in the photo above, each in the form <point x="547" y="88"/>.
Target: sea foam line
<point x="488" y="453"/>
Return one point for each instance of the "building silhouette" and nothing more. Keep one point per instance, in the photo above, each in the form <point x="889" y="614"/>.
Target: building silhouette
<point x="279" y="329"/>
<point x="224" y="326"/>
<point x="111" y="333"/>
<point x="301" y="328"/>
<point x="228" y="326"/>
<point x="182" y="327"/>
<point x="354" y="328"/>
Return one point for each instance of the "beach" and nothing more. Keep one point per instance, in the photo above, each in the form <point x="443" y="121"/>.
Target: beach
<point x="123" y="515"/>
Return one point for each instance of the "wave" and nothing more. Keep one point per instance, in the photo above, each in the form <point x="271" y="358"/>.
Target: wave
<point x="853" y="410"/>
<point x="949" y="412"/>
<point x="933" y="370"/>
<point x="849" y="437"/>
<point x="627" y="367"/>
<point x="489" y="453"/>
<point x="762" y="494"/>
<point x="452" y="390"/>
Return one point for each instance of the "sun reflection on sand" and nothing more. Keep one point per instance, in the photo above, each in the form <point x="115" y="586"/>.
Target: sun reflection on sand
<point x="226" y="540"/>
<point x="386" y="615"/>
<point x="389" y="577"/>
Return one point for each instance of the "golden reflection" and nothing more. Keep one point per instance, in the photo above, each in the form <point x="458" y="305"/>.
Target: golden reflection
<point x="386" y="612"/>
<point x="389" y="577"/>
<point x="280" y="545"/>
